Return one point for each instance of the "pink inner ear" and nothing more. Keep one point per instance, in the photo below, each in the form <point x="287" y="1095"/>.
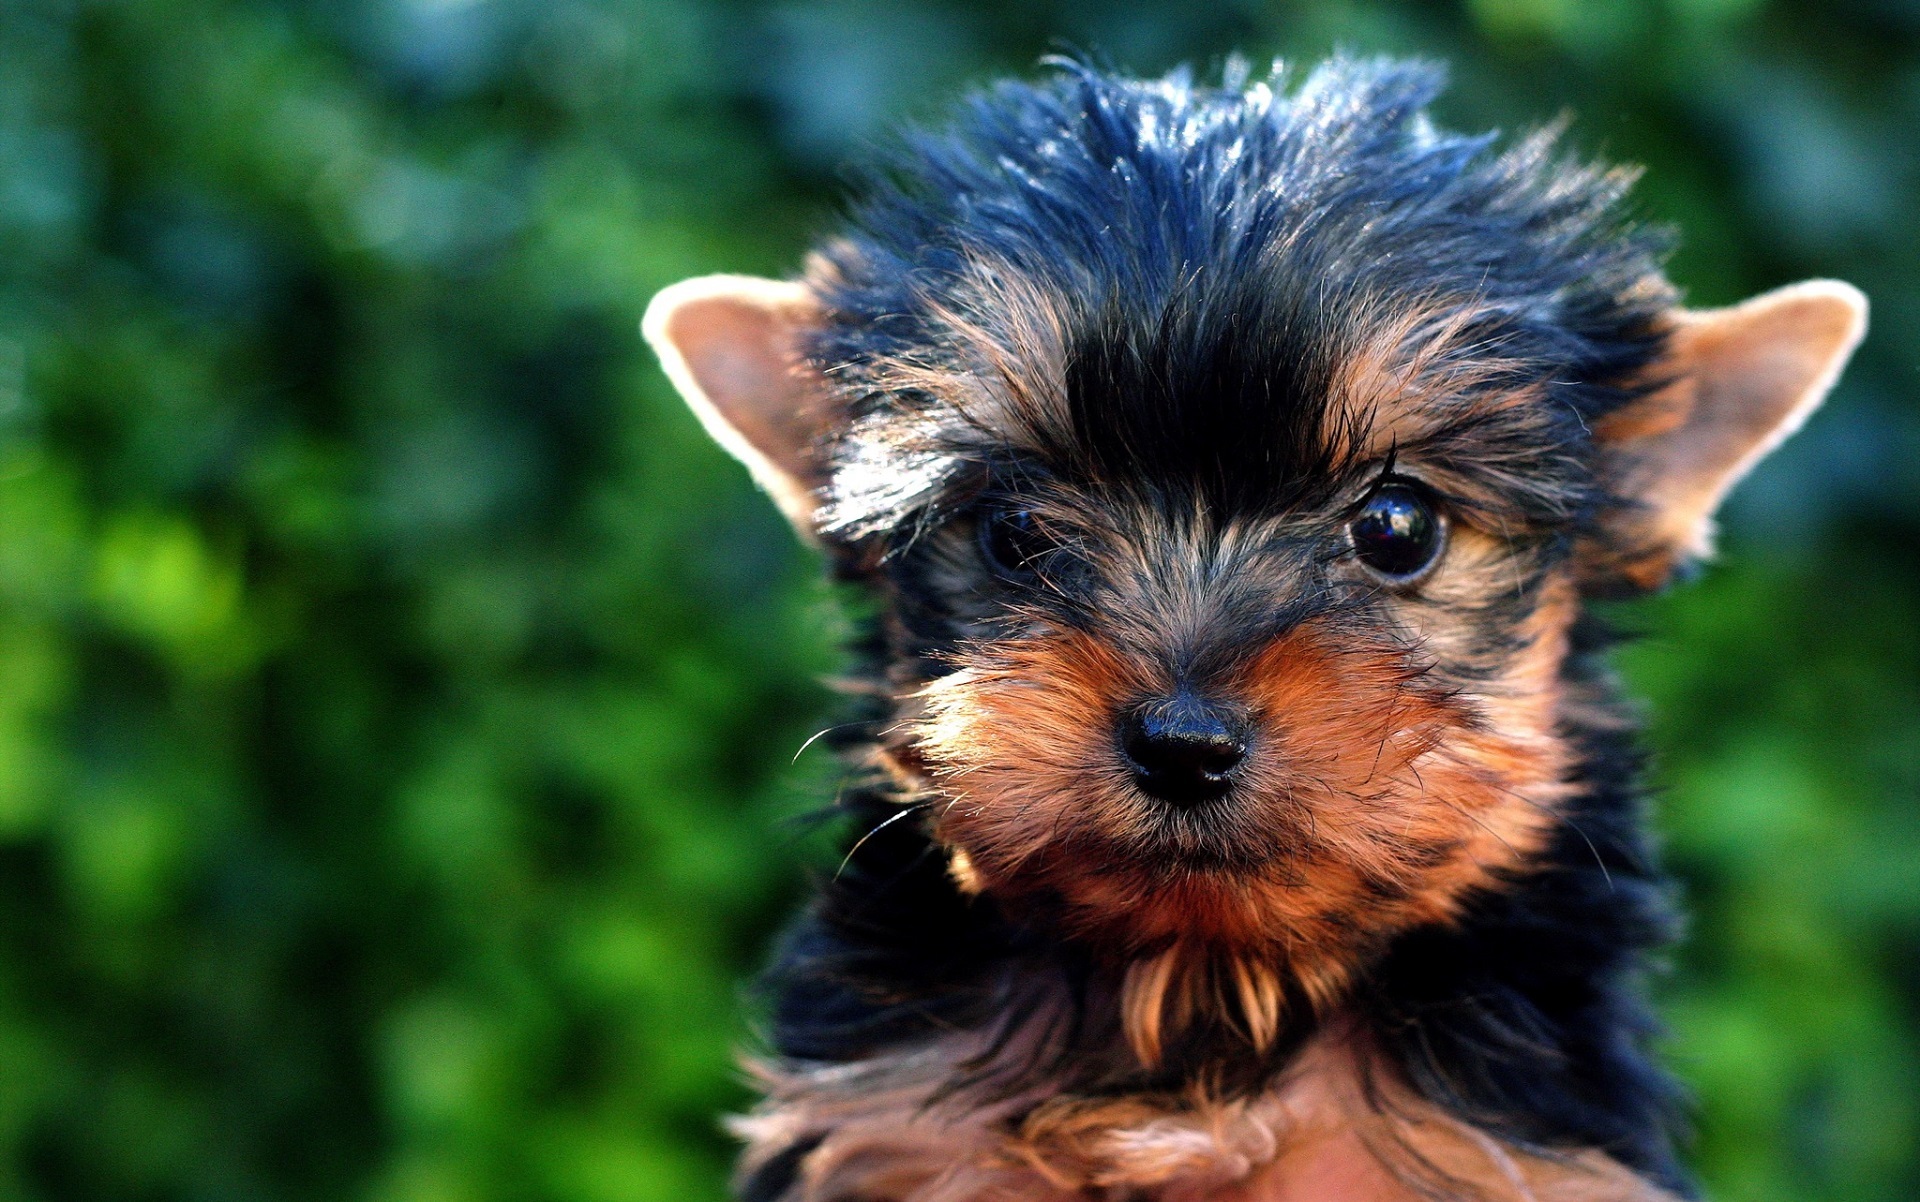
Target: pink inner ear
<point x="1746" y="378"/>
<point x="742" y="357"/>
<point x="730" y="344"/>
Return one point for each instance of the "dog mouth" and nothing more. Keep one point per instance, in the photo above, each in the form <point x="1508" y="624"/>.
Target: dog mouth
<point x="1172" y="854"/>
<point x="1141" y="837"/>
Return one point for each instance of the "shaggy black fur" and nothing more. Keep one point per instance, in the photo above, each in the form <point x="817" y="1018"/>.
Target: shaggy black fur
<point x="1215" y="252"/>
<point x="1530" y="1018"/>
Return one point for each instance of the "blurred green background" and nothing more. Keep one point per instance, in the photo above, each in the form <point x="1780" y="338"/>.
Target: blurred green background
<point x="399" y="698"/>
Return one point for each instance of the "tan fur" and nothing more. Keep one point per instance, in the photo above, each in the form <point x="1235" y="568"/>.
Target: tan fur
<point x="1011" y="363"/>
<point x="1262" y="1003"/>
<point x="1368" y="792"/>
<point x="1162" y="993"/>
<point x="1143" y="1001"/>
<point x="1334" y="1128"/>
<point x="1405" y="377"/>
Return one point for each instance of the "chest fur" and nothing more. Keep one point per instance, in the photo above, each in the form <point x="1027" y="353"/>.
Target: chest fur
<point x="1332" y="1129"/>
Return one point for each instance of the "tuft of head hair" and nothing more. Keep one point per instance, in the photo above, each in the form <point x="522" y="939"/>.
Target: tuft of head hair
<point x="1201" y="265"/>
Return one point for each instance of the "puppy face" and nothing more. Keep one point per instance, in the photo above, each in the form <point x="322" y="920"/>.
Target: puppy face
<point x="1229" y="639"/>
<point x="1232" y="466"/>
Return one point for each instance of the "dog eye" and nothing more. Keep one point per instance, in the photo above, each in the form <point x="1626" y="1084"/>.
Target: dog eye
<point x="1396" y="533"/>
<point x="1012" y="541"/>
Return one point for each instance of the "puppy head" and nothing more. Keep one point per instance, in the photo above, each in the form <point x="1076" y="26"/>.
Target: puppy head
<point x="1233" y="464"/>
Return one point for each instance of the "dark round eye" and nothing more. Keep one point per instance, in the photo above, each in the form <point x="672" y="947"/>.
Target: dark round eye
<point x="1397" y="532"/>
<point x="1012" y="541"/>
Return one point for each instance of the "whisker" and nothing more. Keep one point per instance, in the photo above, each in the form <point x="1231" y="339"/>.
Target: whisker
<point x="862" y="840"/>
<point x="819" y="735"/>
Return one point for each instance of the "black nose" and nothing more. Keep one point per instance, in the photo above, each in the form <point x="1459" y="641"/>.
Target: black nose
<point x="1183" y="749"/>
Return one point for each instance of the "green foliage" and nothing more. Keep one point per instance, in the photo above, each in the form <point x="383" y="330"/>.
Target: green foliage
<point x="398" y="695"/>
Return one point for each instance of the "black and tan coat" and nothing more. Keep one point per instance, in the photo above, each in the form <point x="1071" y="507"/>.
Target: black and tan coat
<point x="1096" y="396"/>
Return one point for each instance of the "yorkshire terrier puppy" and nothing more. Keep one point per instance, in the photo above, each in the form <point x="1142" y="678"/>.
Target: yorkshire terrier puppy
<point x="1242" y="809"/>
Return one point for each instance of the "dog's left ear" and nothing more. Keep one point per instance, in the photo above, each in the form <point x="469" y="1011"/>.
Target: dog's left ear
<point x="1735" y="383"/>
<point x="732" y="345"/>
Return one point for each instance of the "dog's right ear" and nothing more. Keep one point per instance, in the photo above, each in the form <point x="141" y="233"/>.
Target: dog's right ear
<point x="1738" y="381"/>
<point x="732" y="345"/>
